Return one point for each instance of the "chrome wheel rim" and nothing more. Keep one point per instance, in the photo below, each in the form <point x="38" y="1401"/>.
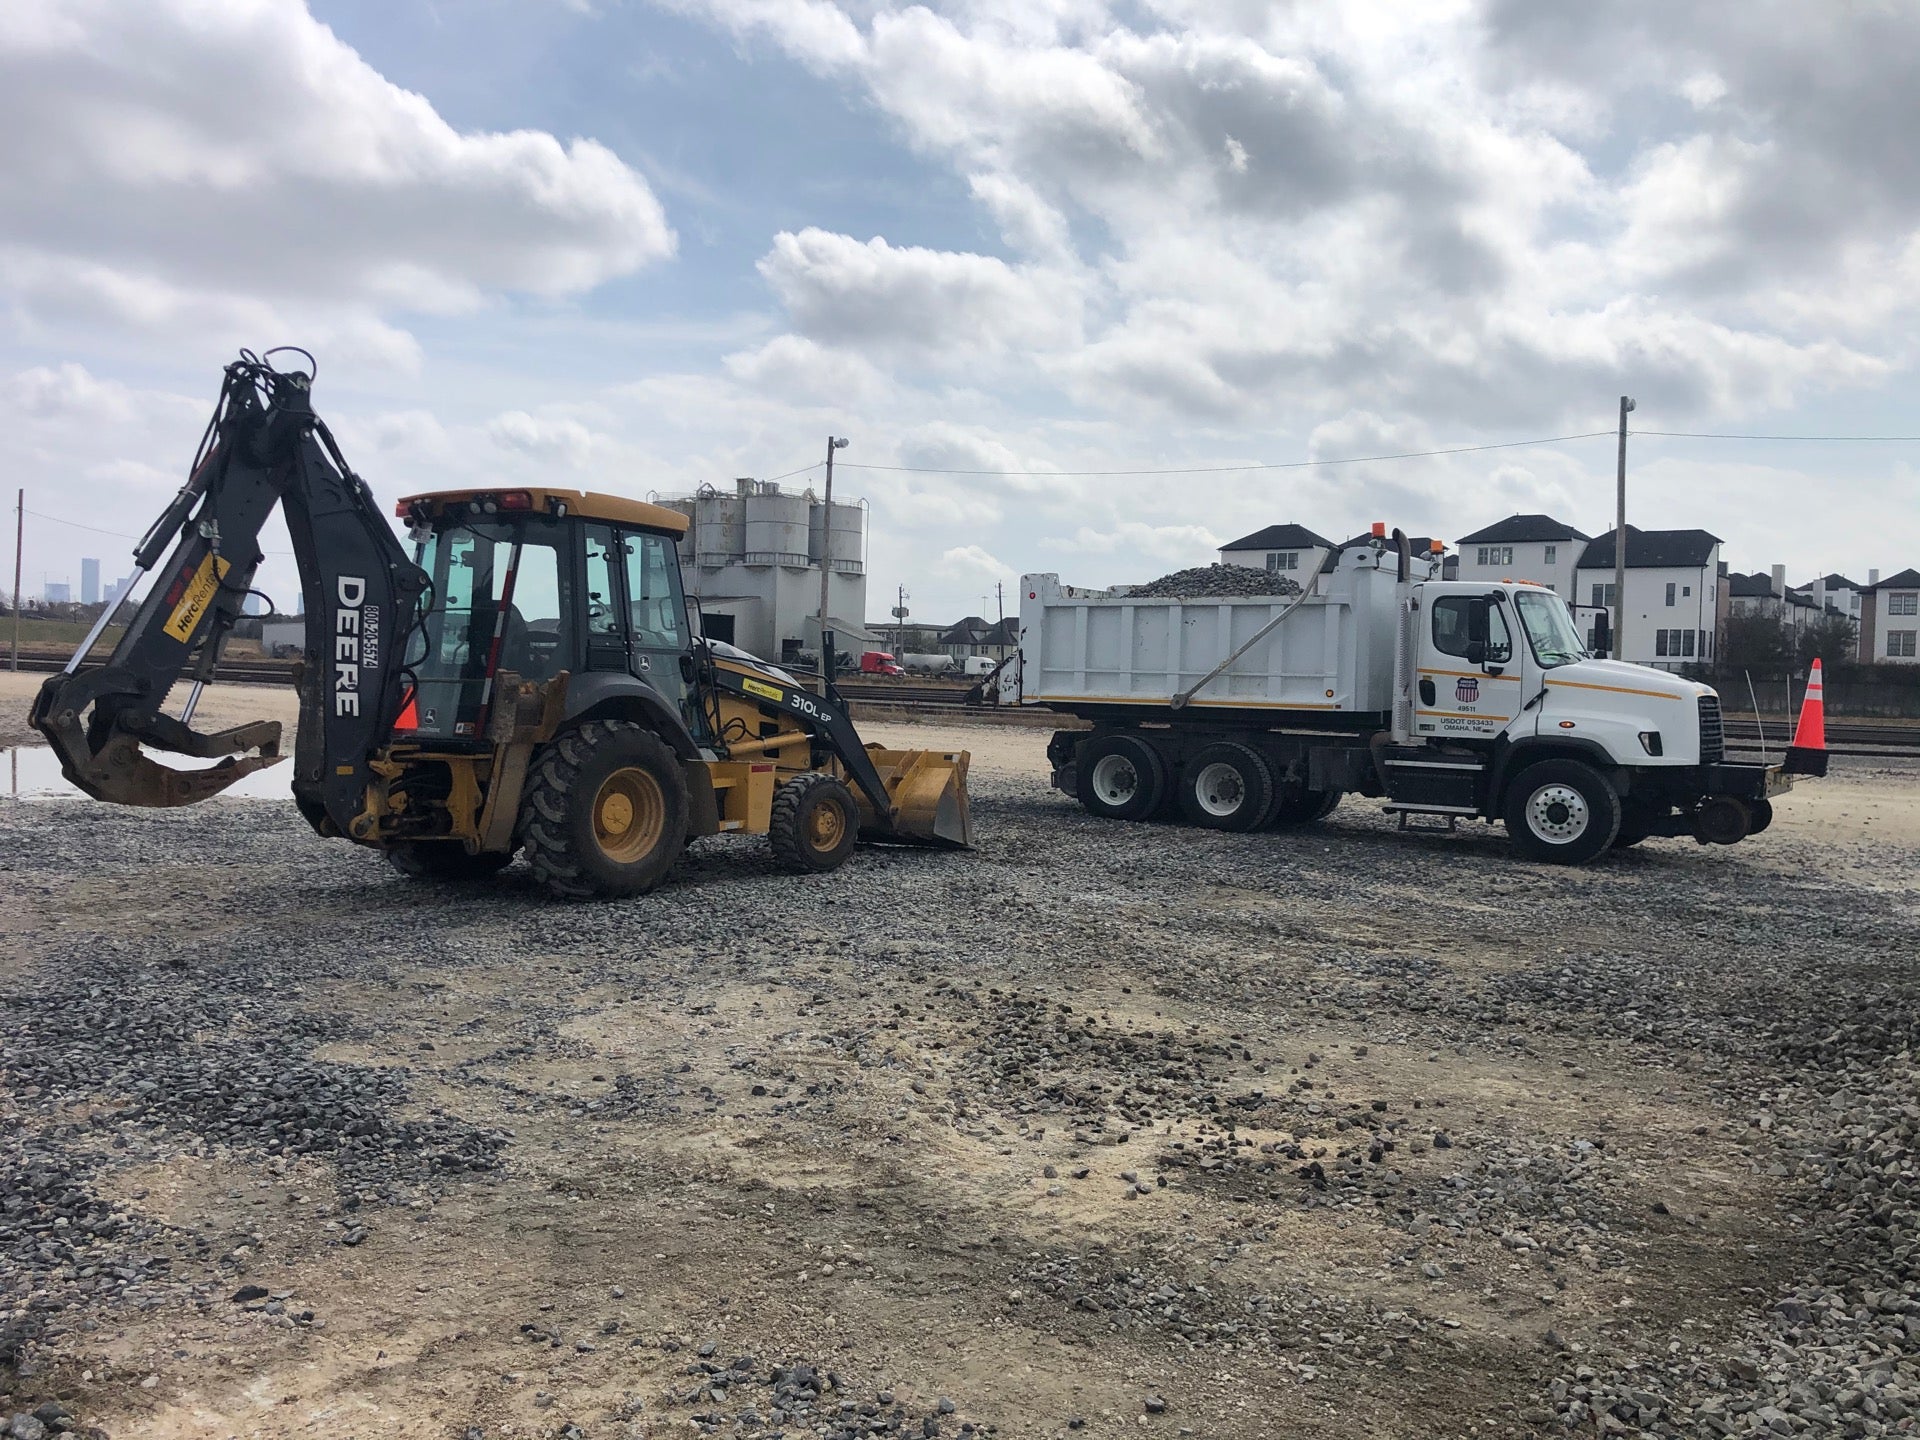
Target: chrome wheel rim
<point x="1558" y="814"/>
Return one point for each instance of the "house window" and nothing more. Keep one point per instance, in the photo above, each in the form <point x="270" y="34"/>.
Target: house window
<point x="1670" y="590"/>
<point x="1495" y="555"/>
<point x="1660" y="642"/>
<point x="1553" y="554"/>
<point x="1686" y="638"/>
<point x="1284" y="560"/>
<point x="1602" y="596"/>
<point x="1686" y="590"/>
<point x="1903" y="602"/>
<point x="1900" y="643"/>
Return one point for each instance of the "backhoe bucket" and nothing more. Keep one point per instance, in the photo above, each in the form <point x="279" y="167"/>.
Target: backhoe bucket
<point x="929" y="793"/>
<point x="117" y="770"/>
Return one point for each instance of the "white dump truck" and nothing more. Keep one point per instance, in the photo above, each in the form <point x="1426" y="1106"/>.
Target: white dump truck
<point x="1443" y="697"/>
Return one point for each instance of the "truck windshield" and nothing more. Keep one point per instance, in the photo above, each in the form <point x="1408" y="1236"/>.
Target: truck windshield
<point x="1549" y="628"/>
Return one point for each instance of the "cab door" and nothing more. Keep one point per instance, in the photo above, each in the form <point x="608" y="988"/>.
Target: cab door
<point x="1471" y="680"/>
<point x="656" y="614"/>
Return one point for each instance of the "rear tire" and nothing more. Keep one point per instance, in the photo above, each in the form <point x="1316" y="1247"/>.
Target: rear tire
<point x="1561" y="812"/>
<point x="1119" y="777"/>
<point x="1762" y="811"/>
<point x="605" y="811"/>
<point x="1227" y="786"/>
<point x="444" y="860"/>
<point x="815" y="823"/>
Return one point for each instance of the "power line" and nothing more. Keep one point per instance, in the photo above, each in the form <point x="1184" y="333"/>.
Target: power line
<point x="801" y="471"/>
<point x="1819" y="439"/>
<point x="1236" y="469"/>
<point x="118" y="534"/>
<point x="38" y="515"/>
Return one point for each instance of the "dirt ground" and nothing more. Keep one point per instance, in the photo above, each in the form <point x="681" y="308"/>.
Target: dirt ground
<point x="1063" y="1131"/>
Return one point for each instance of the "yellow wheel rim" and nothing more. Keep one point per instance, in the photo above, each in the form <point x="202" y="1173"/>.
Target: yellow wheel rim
<point x="825" y="826"/>
<point x="629" y="815"/>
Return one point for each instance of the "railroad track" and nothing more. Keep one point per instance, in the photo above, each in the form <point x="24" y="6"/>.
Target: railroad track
<point x="1858" y="740"/>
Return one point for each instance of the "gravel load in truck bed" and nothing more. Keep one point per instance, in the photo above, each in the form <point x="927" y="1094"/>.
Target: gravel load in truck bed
<point x="1210" y="581"/>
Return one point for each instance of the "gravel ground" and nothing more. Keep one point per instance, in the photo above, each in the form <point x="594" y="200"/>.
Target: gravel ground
<point x="1100" y="1130"/>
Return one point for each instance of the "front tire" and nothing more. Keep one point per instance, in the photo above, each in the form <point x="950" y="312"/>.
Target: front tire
<point x="814" y="824"/>
<point x="1119" y="777"/>
<point x="605" y="811"/>
<point x="1227" y="787"/>
<point x="444" y="860"/>
<point x="1561" y="812"/>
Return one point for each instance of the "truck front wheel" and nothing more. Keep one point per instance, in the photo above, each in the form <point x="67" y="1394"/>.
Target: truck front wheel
<point x="1561" y="812"/>
<point x="1119" y="777"/>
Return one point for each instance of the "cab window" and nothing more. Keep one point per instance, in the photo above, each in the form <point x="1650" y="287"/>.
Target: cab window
<point x="1450" y="628"/>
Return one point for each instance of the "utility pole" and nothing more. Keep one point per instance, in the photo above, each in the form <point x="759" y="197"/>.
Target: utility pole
<point x="826" y="569"/>
<point x="19" y="532"/>
<point x="1620" y="541"/>
<point x="900" y="626"/>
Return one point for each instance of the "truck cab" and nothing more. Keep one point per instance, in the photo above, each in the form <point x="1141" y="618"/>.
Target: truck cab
<point x="1499" y="682"/>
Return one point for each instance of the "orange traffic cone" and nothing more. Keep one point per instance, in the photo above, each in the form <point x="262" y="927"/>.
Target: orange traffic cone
<point x="1809" y="753"/>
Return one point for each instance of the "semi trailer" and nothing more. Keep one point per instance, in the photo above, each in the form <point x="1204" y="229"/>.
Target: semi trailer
<point x="1447" y="698"/>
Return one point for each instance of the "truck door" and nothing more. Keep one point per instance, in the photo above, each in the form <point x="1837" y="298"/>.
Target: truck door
<point x="1470" y="683"/>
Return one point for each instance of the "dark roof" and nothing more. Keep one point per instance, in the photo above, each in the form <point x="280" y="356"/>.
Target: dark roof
<point x="975" y="631"/>
<point x="1280" y="537"/>
<point x="1905" y="580"/>
<point x="1834" y="582"/>
<point x="1805" y="602"/>
<point x="1522" y="530"/>
<point x="1651" y="549"/>
<point x="1758" y="585"/>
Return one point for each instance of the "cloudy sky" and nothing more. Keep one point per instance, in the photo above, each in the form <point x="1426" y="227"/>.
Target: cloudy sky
<point x="638" y="245"/>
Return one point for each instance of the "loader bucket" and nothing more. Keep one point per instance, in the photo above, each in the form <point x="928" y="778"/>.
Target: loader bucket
<point x="929" y="793"/>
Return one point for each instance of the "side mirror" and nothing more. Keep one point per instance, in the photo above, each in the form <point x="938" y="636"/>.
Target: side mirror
<point x="1477" y="622"/>
<point x="1476" y="652"/>
<point x="1602" y="635"/>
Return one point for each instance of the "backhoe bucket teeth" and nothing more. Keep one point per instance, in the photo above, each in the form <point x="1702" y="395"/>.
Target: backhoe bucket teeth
<point x="120" y="772"/>
<point x="929" y="793"/>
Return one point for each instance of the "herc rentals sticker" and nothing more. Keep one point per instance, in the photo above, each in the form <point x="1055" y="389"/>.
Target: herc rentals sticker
<point x="763" y="690"/>
<point x="195" y="596"/>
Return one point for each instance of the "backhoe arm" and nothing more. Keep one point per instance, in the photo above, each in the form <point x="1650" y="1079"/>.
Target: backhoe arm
<point x="264" y="447"/>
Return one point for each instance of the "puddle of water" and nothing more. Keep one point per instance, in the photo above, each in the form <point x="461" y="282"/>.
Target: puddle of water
<point x="31" y="772"/>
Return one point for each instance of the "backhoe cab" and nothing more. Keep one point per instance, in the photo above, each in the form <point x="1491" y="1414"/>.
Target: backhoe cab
<point x="527" y="679"/>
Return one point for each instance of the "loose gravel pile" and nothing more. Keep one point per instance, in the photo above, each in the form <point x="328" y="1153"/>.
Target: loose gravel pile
<point x="1207" y="581"/>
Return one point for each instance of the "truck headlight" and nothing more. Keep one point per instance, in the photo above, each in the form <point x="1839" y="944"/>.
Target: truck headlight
<point x="1650" y="742"/>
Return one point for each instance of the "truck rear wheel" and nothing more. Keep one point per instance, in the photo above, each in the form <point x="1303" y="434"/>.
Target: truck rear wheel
<point x="605" y="811"/>
<point x="1227" y="787"/>
<point x="815" y="822"/>
<point x="444" y="860"/>
<point x="1561" y="812"/>
<point x="1119" y="777"/>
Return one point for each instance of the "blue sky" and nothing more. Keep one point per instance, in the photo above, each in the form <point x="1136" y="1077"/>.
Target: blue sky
<point x="642" y="246"/>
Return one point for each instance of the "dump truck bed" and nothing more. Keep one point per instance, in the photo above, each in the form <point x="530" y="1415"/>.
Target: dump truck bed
<point x="1329" y="663"/>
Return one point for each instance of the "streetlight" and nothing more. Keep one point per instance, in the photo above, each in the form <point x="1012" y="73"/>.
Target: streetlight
<point x="826" y="562"/>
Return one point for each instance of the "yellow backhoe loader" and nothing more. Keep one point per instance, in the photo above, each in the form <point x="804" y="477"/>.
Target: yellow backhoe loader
<point x="528" y="680"/>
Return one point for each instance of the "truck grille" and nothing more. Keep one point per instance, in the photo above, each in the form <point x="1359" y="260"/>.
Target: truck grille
<point x="1713" y="735"/>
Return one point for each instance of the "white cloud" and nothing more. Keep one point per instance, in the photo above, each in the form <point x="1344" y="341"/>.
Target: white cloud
<point x="841" y="291"/>
<point x="549" y="439"/>
<point x="233" y="161"/>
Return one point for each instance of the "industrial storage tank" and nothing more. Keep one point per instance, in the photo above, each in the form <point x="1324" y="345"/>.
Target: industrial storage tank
<point x="776" y="527"/>
<point x="719" y="528"/>
<point x="846" y="535"/>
